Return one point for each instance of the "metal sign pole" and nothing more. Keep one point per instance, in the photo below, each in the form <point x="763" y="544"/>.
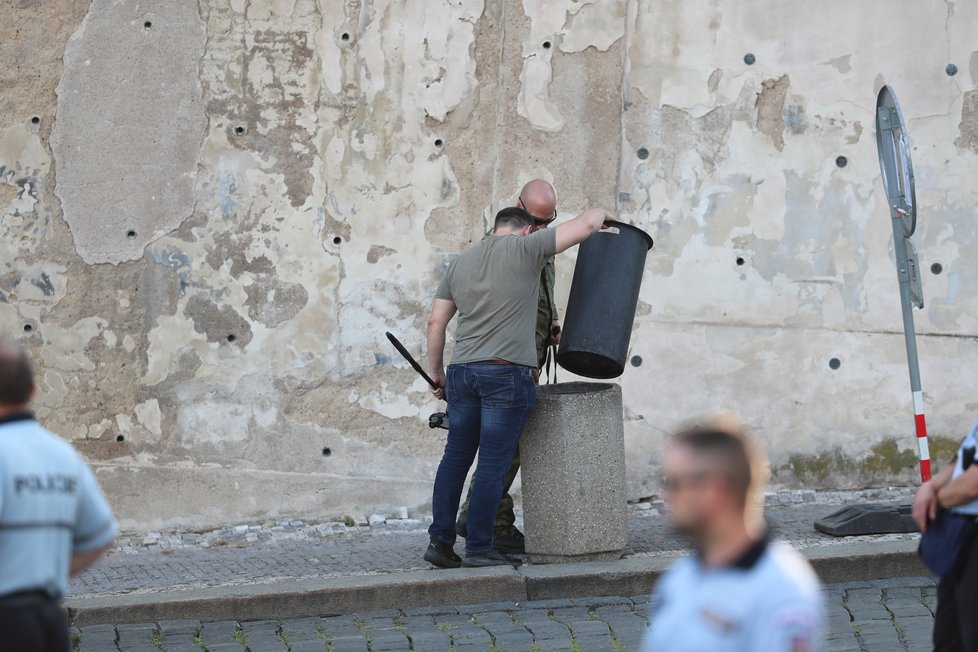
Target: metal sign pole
<point x="906" y="271"/>
<point x="897" y="171"/>
<point x="894" y="154"/>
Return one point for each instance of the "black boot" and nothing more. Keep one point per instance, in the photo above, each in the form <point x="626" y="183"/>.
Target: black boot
<point x="442" y="555"/>
<point x="493" y="558"/>
<point x="509" y="542"/>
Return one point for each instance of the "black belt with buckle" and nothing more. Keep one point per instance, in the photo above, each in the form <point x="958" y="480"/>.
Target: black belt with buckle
<point x="26" y="598"/>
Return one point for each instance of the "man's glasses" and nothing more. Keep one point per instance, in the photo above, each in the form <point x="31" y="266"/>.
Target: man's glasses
<point x="536" y="220"/>
<point x="672" y="483"/>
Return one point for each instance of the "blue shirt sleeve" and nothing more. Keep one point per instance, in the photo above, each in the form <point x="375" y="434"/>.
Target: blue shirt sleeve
<point x="791" y="627"/>
<point x="94" y="525"/>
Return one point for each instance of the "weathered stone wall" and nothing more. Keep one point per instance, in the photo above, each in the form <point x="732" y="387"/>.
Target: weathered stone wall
<point x="211" y="212"/>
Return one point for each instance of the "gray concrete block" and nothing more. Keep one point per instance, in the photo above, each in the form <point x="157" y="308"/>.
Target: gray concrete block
<point x="589" y="629"/>
<point x="596" y="643"/>
<point x="434" y="639"/>
<point x="306" y="646"/>
<point x="573" y="457"/>
<point x="181" y="626"/>
<point x="553" y="644"/>
<point x="514" y="641"/>
<point x="349" y="645"/>
<point x="98" y="637"/>
<point x="298" y="598"/>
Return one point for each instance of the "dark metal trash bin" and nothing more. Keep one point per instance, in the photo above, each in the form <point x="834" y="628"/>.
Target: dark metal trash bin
<point x="602" y="302"/>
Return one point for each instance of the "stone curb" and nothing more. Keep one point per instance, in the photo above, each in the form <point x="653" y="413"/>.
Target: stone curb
<point x="836" y="562"/>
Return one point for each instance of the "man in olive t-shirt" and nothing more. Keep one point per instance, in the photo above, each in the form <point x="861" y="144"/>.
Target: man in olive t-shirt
<point x="539" y="199"/>
<point x="494" y="287"/>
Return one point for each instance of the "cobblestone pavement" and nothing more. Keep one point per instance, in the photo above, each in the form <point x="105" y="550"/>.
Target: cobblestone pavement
<point x="293" y="550"/>
<point x="885" y="616"/>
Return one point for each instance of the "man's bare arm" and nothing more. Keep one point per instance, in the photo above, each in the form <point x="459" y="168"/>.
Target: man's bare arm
<point x="926" y="503"/>
<point x="580" y="228"/>
<point x="442" y="312"/>
<point x="962" y="489"/>
<point x="82" y="560"/>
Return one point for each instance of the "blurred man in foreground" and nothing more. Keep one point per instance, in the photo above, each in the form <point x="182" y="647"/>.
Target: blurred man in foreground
<point x="54" y="520"/>
<point x="738" y="592"/>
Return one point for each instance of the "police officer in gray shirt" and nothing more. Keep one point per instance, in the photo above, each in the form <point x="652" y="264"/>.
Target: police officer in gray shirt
<point x="54" y="520"/>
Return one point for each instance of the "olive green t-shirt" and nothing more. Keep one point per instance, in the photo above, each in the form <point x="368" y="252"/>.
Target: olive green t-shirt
<point x="496" y="287"/>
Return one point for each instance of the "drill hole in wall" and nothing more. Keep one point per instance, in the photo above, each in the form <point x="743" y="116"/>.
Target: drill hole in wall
<point x="936" y="269"/>
<point x="148" y="25"/>
<point x="439" y="142"/>
<point x="345" y="36"/>
<point x="337" y="240"/>
<point x="740" y="261"/>
<point x="547" y="45"/>
<point x="130" y="234"/>
<point x="28" y="328"/>
<point x="231" y="339"/>
<point x="239" y="130"/>
<point x="35" y="120"/>
<point x="120" y="438"/>
<point x="834" y="364"/>
<point x="327" y="452"/>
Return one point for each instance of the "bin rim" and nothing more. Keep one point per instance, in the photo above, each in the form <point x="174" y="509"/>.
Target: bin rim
<point x="631" y="227"/>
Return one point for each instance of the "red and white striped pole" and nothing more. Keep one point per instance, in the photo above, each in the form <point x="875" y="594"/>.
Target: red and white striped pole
<point x="923" y="451"/>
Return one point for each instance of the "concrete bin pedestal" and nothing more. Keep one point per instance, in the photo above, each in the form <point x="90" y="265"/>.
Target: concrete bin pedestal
<point x="573" y="466"/>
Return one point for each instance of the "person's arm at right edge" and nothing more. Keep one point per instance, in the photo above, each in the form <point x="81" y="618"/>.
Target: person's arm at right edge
<point x="580" y="228"/>
<point x="84" y="560"/>
<point x="926" y="504"/>
<point x="442" y="312"/>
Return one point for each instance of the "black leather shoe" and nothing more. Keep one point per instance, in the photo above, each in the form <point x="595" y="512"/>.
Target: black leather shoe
<point x="462" y="528"/>
<point x="509" y="542"/>
<point x="493" y="558"/>
<point x="442" y="555"/>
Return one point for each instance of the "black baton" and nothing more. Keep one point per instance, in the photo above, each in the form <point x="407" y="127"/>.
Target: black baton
<point x="414" y="363"/>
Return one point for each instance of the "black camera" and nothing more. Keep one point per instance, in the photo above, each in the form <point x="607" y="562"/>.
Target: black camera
<point x="438" y="420"/>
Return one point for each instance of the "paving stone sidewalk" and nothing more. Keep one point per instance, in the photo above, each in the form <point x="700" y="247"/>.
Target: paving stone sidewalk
<point x="293" y="550"/>
<point x="882" y="616"/>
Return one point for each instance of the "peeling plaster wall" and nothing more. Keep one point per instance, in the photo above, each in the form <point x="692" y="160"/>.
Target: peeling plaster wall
<point x="211" y="212"/>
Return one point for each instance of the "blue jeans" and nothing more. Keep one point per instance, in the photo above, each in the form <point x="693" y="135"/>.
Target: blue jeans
<point x="487" y="406"/>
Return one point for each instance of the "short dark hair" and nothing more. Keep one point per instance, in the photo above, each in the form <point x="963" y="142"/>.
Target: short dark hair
<point x="513" y="217"/>
<point x="732" y="452"/>
<point x="16" y="375"/>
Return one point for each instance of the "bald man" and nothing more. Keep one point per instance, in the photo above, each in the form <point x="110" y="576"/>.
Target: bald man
<point x="54" y="520"/>
<point x="539" y="199"/>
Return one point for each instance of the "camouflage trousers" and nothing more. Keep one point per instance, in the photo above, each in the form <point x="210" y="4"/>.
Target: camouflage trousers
<point x="505" y="517"/>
